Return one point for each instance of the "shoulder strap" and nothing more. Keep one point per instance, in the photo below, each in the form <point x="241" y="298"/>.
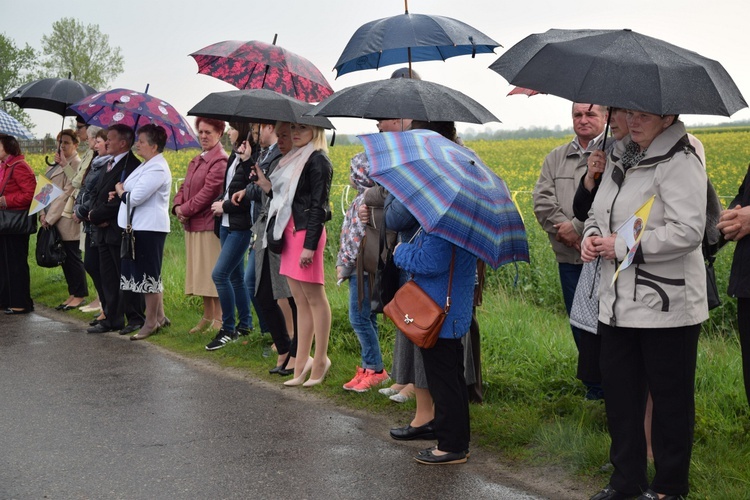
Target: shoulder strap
<point x="12" y="168"/>
<point x="129" y="212"/>
<point x="450" y="280"/>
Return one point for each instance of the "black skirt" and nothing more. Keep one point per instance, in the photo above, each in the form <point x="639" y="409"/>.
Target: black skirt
<point x="143" y="275"/>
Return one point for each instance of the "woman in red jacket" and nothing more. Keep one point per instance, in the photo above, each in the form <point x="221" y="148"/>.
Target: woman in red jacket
<point x="204" y="183"/>
<point x="17" y="185"/>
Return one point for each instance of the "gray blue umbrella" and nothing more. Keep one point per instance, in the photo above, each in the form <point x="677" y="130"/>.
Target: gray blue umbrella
<point x="257" y="106"/>
<point x="410" y="38"/>
<point x="404" y="98"/>
<point x="620" y="68"/>
<point x="11" y="126"/>
<point x="450" y="192"/>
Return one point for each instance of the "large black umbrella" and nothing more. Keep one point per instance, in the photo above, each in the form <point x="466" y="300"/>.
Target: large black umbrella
<point x="404" y="98"/>
<point x="50" y="94"/>
<point x="620" y="68"/>
<point x="257" y="106"/>
<point x="411" y="37"/>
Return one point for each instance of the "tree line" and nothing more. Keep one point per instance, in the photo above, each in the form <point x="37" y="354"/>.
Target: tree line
<point x="71" y="48"/>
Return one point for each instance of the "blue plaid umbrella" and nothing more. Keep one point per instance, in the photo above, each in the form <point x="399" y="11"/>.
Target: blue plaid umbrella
<point x="11" y="126"/>
<point x="450" y="192"/>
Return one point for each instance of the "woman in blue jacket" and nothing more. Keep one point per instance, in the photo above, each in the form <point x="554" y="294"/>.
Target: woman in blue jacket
<point x="428" y="259"/>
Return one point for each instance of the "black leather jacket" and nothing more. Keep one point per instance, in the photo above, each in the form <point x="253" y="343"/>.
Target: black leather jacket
<point x="240" y="218"/>
<point x="311" y="207"/>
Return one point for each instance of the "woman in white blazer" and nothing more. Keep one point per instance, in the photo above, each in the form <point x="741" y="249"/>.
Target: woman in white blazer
<point x="145" y="193"/>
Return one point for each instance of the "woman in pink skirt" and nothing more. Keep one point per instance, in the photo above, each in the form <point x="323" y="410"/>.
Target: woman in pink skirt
<point x="298" y="211"/>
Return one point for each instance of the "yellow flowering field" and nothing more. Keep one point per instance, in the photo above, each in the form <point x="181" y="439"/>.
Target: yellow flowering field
<point x="518" y="163"/>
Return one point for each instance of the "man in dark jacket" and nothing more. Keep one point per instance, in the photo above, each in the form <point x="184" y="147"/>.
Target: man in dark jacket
<point x="107" y="236"/>
<point x="269" y="151"/>
<point x="734" y="224"/>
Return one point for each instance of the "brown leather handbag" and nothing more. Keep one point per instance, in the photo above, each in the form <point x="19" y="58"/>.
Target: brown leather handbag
<point x="415" y="313"/>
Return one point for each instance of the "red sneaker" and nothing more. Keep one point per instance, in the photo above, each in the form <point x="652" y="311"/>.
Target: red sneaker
<point x="370" y="380"/>
<point x="356" y="380"/>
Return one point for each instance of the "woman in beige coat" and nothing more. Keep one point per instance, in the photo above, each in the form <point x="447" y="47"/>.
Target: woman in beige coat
<point x="61" y="175"/>
<point x="650" y="317"/>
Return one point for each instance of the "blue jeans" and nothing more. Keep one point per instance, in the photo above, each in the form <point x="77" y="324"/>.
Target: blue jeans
<point x="250" y="284"/>
<point x="229" y="278"/>
<point x="365" y="325"/>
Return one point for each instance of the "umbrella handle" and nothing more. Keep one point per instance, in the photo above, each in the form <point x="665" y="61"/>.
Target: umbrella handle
<point x="49" y="163"/>
<point x="604" y="141"/>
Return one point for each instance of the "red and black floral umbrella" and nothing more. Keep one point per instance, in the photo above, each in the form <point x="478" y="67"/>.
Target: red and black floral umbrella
<point x="259" y="65"/>
<point x="136" y="109"/>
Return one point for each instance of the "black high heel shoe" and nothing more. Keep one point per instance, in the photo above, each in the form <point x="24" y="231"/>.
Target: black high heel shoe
<point x="281" y="369"/>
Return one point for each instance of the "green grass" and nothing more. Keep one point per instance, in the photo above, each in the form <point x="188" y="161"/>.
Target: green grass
<point x="534" y="411"/>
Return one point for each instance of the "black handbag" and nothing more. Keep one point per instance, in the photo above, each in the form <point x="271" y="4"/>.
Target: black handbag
<point x="274" y="245"/>
<point x="709" y="256"/>
<point x="217" y="219"/>
<point x="387" y="280"/>
<point x="15" y="221"/>
<point x="127" y="244"/>
<point x="49" y="247"/>
<point x="712" y="290"/>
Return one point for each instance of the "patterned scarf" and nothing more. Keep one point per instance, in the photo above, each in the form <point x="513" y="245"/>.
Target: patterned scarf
<point x="352" y="229"/>
<point x="632" y="155"/>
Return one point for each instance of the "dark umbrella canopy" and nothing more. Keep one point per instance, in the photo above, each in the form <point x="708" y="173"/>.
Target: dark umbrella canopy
<point x="404" y="98"/>
<point x="255" y="65"/>
<point x="620" y="68"/>
<point x="257" y="106"/>
<point x="50" y="94"/>
<point x="410" y="38"/>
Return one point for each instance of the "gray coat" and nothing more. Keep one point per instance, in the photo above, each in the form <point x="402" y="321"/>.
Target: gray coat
<point x="666" y="284"/>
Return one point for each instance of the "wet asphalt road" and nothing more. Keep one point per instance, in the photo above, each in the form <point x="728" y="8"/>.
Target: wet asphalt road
<point x="97" y="416"/>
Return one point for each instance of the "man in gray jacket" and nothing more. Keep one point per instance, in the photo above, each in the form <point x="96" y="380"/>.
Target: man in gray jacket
<point x="553" y="194"/>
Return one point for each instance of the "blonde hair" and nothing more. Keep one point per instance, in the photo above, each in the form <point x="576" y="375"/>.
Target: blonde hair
<point x="319" y="141"/>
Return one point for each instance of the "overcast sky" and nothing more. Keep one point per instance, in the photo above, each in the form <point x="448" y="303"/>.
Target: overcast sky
<point x="156" y="37"/>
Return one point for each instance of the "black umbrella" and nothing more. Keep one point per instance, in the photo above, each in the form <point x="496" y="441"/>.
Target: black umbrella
<point x="623" y="69"/>
<point x="404" y="98"/>
<point x="411" y="37"/>
<point x="50" y="94"/>
<point x="257" y="106"/>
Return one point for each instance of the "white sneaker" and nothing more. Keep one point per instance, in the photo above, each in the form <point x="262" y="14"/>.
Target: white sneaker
<point x="387" y="391"/>
<point x="400" y="398"/>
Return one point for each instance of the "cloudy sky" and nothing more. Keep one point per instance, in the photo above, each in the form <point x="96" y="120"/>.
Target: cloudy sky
<point x="156" y="37"/>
